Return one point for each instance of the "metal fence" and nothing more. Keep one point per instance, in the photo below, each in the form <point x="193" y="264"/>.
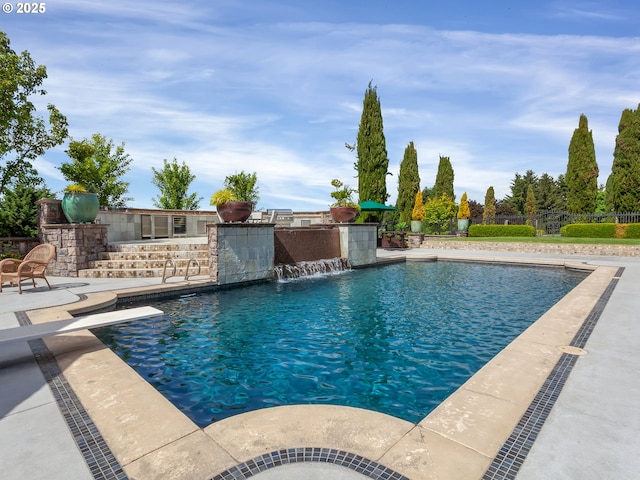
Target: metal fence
<point x="551" y="222"/>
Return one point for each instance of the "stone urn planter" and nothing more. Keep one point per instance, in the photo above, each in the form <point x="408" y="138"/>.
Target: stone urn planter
<point x="344" y="214"/>
<point x="416" y="226"/>
<point x="235" y="211"/>
<point x="80" y="207"/>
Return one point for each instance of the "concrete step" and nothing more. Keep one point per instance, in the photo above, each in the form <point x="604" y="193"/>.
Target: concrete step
<point x="159" y="255"/>
<point x="156" y="247"/>
<point x="141" y="264"/>
<point x="147" y="259"/>
<point x="138" y="272"/>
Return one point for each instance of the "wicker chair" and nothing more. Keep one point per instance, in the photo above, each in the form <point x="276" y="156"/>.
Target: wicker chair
<point x="31" y="267"/>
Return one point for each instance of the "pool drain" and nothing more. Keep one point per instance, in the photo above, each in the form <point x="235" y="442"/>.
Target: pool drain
<point x="573" y="350"/>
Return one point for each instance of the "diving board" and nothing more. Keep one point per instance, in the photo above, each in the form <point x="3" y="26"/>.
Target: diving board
<point x="32" y="332"/>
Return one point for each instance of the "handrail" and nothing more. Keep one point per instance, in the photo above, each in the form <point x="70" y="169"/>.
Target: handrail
<point x="164" y="270"/>
<point x="169" y="261"/>
<point x="197" y="263"/>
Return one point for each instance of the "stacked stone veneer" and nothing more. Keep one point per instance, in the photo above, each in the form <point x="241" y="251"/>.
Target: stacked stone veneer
<point x="240" y="252"/>
<point x="545" y="248"/>
<point x="76" y="244"/>
<point x="358" y="243"/>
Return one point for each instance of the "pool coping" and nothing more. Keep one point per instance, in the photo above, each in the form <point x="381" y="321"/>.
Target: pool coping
<point x="460" y="439"/>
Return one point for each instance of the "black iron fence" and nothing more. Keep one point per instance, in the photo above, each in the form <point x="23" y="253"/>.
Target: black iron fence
<point x="551" y="222"/>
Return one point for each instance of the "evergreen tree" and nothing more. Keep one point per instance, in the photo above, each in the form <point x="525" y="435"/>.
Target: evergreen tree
<point x="582" y="170"/>
<point x="98" y="169"/>
<point x="444" y="179"/>
<point x="373" y="163"/>
<point x="623" y="184"/>
<point x="23" y="135"/>
<point x="408" y="183"/>
<point x="428" y="193"/>
<point x="489" y="214"/>
<point x="530" y="204"/>
<point x="548" y="194"/>
<point x="418" y="207"/>
<point x="173" y="181"/>
<point x="18" y="210"/>
<point x="519" y="187"/>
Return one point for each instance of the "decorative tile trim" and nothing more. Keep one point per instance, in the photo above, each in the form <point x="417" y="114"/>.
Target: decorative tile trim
<point x="100" y="460"/>
<point x="354" y="462"/>
<point x="511" y="456"/>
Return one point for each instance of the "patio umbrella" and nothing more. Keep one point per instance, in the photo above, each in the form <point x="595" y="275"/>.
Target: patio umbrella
<point x="371" y="206"/>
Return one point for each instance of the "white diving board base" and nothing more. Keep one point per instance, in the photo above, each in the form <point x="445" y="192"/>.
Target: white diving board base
<point x="32" y="332"/>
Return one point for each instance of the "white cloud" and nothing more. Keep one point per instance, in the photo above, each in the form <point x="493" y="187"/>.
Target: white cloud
<point x="281" y="99"/>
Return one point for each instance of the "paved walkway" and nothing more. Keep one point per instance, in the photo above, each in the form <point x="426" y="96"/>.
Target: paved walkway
<point x="591" y="432"/>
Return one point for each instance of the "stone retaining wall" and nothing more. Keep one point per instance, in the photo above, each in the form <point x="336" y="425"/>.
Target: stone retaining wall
<point x="546" y="248"/>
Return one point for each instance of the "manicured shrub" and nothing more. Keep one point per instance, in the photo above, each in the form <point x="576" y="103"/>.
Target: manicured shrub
<point x="589" y="230"/>
<point x="502" y="231"/>
<point x="632" y="231"/>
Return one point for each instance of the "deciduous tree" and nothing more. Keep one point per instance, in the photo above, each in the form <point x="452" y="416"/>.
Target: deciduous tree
<point x="99" y="167"/>
<point x="24" y="135"/>
<point x="173" y="181"/>
<point x="438" y="212"/>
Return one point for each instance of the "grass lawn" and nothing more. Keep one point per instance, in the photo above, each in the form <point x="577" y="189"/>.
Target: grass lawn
<point x="549" y="239"/>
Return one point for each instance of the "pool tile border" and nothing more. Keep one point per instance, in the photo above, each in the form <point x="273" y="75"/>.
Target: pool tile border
<point x="354" y="462"/>
<point x="513" y="453"/>
<point x="97" y="454"/>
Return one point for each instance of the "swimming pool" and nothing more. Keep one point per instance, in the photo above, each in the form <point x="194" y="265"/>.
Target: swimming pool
<point x="397" y="339"/>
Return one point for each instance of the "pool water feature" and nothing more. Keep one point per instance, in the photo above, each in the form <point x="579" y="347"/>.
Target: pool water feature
<point x="396" y="339"/>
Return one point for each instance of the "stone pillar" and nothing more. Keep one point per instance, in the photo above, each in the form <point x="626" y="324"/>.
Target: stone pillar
<point x="76" y="245"/>
<point x="415" y="240"/>
<point x="240" y="252"/>
<point x="358" y="242"/>
<point x="50" y="211"/>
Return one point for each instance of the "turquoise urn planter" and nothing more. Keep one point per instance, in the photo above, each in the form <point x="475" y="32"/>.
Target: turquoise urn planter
<point x="80" y="207"/>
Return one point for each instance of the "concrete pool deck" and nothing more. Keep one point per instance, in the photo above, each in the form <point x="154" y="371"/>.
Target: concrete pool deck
<point x="590" y="432"/>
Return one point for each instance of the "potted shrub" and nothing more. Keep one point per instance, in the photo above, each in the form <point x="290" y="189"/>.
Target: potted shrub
<point x="417" y="214"/>
<point x="463" y="214"/>
<point x="79" y="205"/>
<point x="344" y="209"/>
<point x="236" y="200"/>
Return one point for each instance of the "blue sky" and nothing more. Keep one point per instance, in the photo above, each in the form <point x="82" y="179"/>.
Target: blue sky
<point x="276" y="86"/>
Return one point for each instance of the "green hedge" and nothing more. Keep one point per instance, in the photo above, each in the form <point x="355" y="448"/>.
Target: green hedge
<point x="632" y="230"/>
<point x="601" y="230"/>
<point x="502" y="231"/>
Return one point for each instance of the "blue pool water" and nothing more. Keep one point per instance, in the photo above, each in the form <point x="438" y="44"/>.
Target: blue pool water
<point x="397" y="339"/>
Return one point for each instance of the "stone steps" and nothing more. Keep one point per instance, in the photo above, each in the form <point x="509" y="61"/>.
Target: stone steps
<point x="147" y="260"/>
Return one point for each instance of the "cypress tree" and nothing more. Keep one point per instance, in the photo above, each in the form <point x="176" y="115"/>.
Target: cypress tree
<point x="444" y="179"/>
<point x="373" y="162"/>
<point x="623" y="185"/>
<point x="408" y="183"/>
<point x="582" y="170"/>
<point x="489" y="214"/>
